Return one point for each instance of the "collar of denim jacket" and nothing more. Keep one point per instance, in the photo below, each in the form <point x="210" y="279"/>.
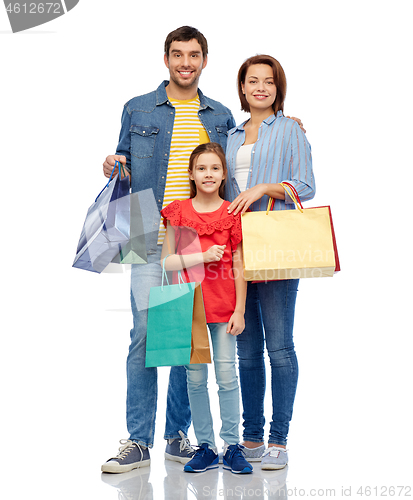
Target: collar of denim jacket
<point x="162" y="97"/>
<point x="204" y="101"/>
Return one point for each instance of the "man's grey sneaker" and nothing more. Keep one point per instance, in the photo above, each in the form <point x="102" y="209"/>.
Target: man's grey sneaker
<point x="179" y="450"/>
<point x="234" y="460"/>
<point x="131" y="456"/>
<point x="204" y="459"/>
<point x="274" y="458"/>
<point x="254" y="454"/>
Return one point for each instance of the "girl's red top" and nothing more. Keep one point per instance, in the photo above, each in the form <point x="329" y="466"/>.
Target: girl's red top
<point x="196" y="232"/>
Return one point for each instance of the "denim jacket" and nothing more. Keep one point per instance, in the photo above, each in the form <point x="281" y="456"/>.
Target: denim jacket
<point x="145" y="141"/>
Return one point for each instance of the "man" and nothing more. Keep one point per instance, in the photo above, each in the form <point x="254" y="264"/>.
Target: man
<point x="159" y="131"/>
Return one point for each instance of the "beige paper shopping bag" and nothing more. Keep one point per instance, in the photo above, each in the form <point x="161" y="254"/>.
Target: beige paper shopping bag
<point x="288" y="244"/>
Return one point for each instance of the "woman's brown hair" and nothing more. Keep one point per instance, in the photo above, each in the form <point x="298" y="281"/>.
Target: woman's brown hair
<point x="209" y="147"/>
<point x="280" y="80"/>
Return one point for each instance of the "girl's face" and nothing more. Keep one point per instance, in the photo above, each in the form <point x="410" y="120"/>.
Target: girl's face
<point x="259" y="87"/>
<point x="207" y="173"/>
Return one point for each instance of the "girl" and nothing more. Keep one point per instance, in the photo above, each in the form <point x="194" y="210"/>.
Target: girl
<point x="204" y="241"/>
<point x="262" y="152"/>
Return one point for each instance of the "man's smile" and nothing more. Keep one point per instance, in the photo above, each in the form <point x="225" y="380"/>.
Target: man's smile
<point x="185" y="73"/>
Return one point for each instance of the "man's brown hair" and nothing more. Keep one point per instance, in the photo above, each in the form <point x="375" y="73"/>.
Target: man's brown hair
<point x="185" y="34"/>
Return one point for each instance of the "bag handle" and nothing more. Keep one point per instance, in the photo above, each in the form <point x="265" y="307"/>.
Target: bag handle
<point x="165" y="276"/>
<point x="180" y="278"/>
<point x="285" y="184"/>
<point x="292" y="193"/>
<point x="117" y="164"/>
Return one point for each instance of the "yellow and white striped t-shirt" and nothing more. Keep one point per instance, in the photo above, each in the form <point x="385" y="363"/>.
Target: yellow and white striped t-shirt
<point x="188" y="133"/>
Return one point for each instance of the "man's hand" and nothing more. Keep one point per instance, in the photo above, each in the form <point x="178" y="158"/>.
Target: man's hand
<point x="299" y="122"/>
<point x="110" y="163"/>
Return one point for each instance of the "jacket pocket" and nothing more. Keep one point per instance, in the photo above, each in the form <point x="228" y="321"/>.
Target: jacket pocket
<point x="143" y="140"/>
<point x="222" y="131"/>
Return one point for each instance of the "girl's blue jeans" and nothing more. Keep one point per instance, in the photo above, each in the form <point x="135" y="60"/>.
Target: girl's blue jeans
<point x="223" y="345"/>
<point x="269" y="321"/>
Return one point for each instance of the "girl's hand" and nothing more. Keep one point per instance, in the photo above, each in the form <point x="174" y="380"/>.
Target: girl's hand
<point x="236" y="324"/>
<point x="214" y="253"/>
<point x="246" y="198"/>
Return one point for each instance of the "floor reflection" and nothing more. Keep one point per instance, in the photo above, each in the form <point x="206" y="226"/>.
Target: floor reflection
<point x="179" y="485"/>
<point x="258" y="485"/>
<point x="133" y="485"/>
<point x="213" y="484"/>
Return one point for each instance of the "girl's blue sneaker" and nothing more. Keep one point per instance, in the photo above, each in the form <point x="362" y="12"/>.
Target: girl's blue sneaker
<point x="234" y="460"/>
<point x="204" y="459"/>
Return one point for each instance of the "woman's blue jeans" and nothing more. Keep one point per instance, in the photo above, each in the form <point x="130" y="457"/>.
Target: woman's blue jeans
<point x="269" y="321"/>
<point x="223" y="345"/>
<point x="142" y="383"/>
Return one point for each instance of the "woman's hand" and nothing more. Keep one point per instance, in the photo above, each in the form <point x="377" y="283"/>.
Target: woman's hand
<point x="247" y="198"/>
<point x="236" y="323"/>
<point x="214" y="253"/>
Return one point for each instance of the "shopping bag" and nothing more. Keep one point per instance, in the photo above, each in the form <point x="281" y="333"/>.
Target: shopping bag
<point x="288" y="244"/>
<point x="107" y="226"/>
<point x="134" y="251"/>
<point x="177" y="332"/>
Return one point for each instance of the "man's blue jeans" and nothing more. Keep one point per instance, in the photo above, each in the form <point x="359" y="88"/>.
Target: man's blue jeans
<point x="269" y="321"/>
<point x="142" y="383"/>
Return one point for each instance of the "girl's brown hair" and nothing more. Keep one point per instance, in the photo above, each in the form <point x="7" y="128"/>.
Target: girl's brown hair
<point x="209" y="147"/>
<point x="280" y="80"/>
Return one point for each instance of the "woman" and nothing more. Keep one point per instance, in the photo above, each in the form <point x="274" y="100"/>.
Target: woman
<point x="262" y="152"/>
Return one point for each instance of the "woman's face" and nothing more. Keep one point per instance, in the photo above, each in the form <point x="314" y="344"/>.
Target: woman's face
<point x="259" y="87"/>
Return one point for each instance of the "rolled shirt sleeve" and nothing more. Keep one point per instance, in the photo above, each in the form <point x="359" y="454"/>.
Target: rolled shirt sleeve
<point x="300" y="174"/>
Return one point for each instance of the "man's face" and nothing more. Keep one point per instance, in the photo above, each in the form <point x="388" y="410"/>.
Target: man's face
<point x="185" y="63"/>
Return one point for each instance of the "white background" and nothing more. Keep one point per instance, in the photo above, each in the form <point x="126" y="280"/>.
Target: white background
<point x="65" y="332"/>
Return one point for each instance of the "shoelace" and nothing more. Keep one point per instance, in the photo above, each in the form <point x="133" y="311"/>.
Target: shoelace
<point x="126" y="448"/>
<point x="237" y="451"/>
<point x="200" y="451"/>
<point x="185" y="444"/>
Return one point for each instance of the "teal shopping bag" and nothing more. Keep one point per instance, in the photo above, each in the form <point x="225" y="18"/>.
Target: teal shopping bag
<point x="177" y="333"/>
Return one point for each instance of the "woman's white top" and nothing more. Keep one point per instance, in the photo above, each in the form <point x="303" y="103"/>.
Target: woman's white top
<point x="243" y="165"/>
